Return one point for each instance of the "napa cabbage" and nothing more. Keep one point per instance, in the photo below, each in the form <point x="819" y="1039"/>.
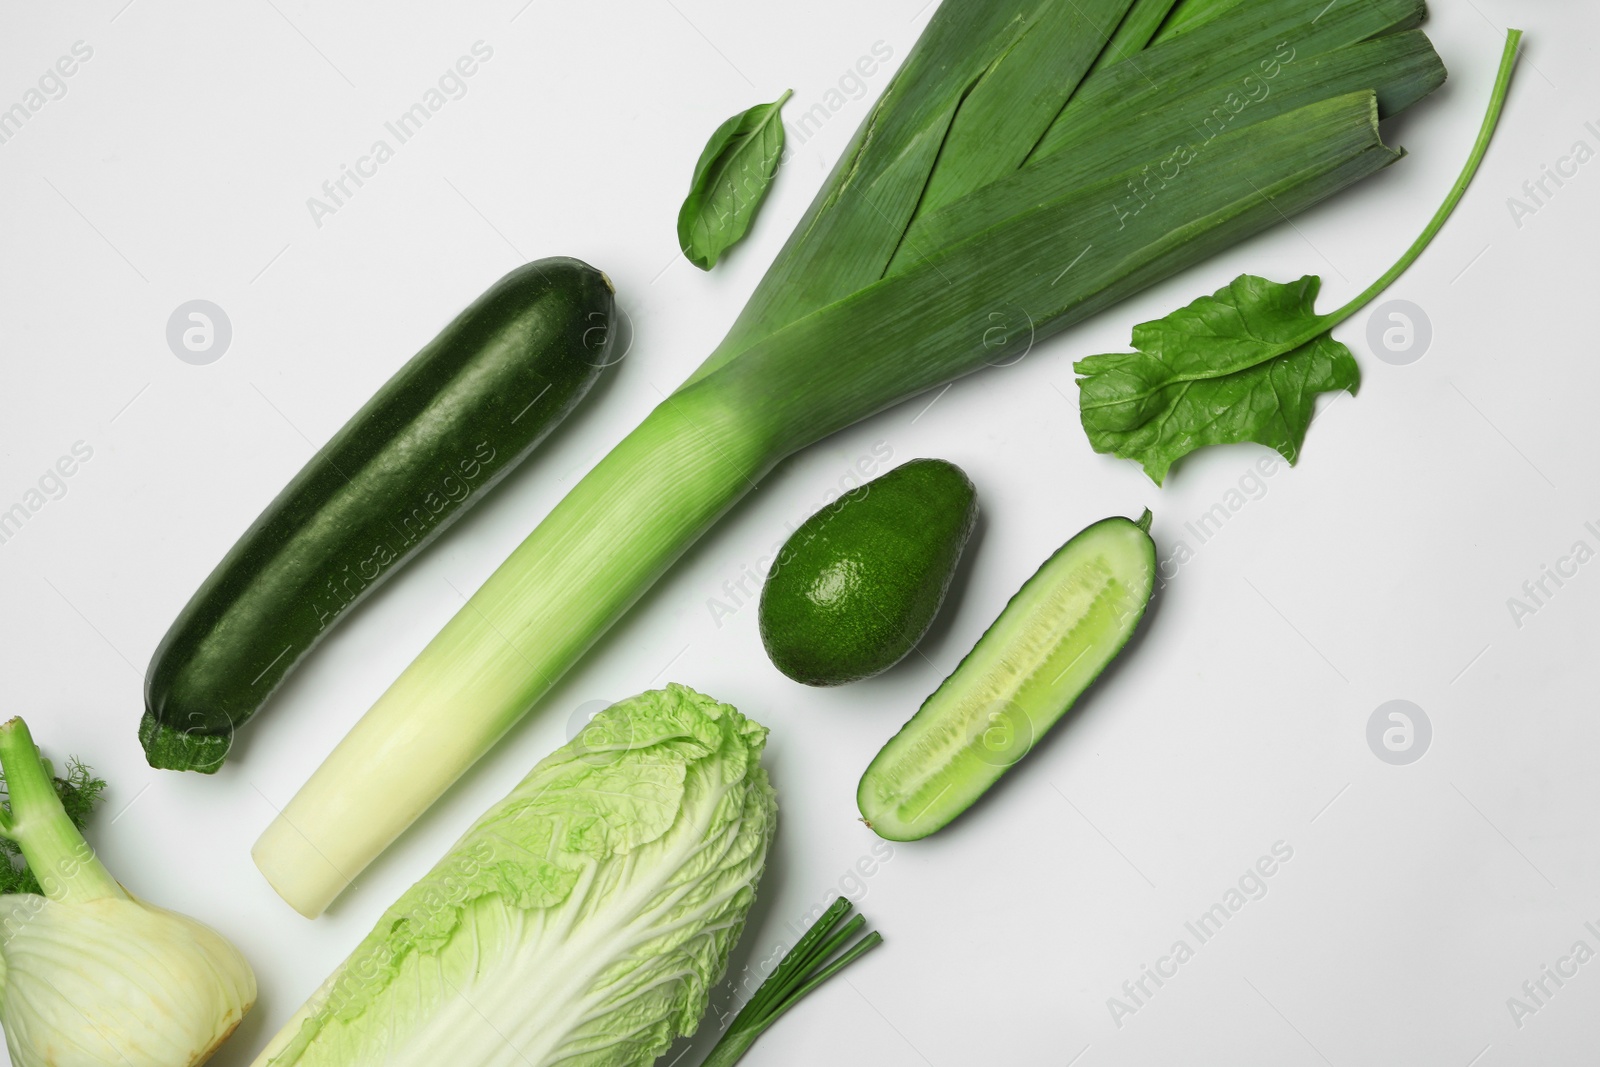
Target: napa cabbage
<point x="582" y="920"/>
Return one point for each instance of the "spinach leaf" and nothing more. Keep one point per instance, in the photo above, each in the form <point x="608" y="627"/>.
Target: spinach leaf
<point x="1245" y="364"/>
<point x="730" y="181"/>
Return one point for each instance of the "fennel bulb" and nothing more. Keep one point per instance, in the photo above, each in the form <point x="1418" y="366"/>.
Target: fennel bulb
<point x="91" y="976"/>
<point x="582" y="920"/>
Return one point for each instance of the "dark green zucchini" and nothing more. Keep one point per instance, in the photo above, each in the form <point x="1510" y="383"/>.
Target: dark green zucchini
<point x="450" y="424"/>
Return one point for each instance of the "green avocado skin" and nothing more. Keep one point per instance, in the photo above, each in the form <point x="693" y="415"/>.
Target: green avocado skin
<point x="859" y="583"/>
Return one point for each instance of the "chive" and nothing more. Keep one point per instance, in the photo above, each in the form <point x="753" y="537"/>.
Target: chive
<point x="804" y="968"/>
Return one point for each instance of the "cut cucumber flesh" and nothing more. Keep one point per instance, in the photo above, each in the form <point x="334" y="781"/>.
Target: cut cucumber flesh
<point x="1052" y="640"/>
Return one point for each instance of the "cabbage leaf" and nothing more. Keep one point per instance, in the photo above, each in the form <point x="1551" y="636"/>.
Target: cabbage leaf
<point x="582" y="920"/>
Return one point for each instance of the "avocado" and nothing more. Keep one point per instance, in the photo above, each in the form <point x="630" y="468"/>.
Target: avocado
<point x="859" y="583"/>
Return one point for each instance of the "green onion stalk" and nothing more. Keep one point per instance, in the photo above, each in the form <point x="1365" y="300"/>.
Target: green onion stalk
<point x="816" y="957"/>
<point x="921" y="260"/>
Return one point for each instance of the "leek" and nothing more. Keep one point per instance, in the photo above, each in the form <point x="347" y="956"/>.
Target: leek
<point x="1138" y="28"/>
<point x="886" y="288"/>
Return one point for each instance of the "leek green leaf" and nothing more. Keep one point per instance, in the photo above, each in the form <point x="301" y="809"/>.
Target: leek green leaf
<point x="731" y="180"/>
<point x="1001" y="118"/>
<point x="852" y="230"/>
<point x="1137" y="29"/>
<point x="1245" y="364"/>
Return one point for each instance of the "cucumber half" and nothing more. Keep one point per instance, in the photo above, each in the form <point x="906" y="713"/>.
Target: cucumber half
<point x="1052" y="640"/>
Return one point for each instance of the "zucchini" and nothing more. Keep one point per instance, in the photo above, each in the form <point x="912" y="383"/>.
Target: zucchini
<point x="434" y="439"/>
<point x="1052" y="640"/>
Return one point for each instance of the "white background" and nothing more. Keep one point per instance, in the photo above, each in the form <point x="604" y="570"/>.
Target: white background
<point x="1419" y="898"/>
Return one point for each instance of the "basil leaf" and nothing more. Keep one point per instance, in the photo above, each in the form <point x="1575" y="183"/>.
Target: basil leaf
<point x="730" y="181"/>
<point x="1245" y="364"/>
